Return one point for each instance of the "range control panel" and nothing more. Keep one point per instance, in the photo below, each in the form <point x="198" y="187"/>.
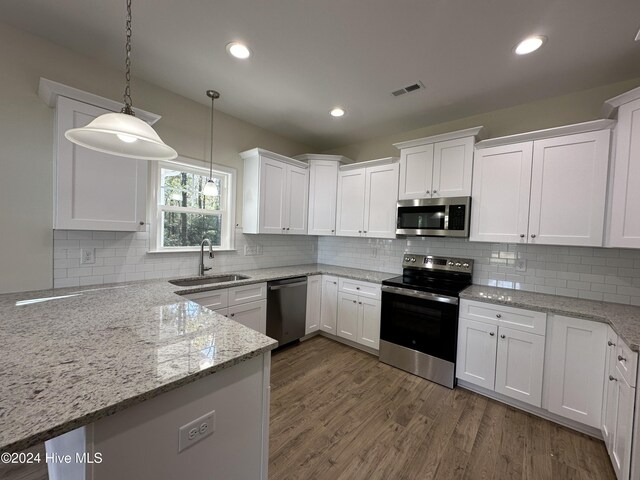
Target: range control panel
<point x="412" y="260"/>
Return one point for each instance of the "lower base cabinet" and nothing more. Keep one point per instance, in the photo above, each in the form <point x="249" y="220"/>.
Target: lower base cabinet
<point x="314" y="300"/>
<point x="359" y="319"/>
<point x="477" y="350"/>
<point x="329" y="304"/>
<point x="252" y="315"/>
<point x="348" y="313"/>
<point x="619" y="403"/>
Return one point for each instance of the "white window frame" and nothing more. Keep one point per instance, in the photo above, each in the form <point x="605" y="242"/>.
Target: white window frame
<point x="198" y="167"/>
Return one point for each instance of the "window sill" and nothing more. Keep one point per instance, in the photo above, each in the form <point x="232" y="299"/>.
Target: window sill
<point x="193" y="250"/>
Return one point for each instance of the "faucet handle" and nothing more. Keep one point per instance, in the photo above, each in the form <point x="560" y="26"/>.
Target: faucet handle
<point x="206" y="269"/>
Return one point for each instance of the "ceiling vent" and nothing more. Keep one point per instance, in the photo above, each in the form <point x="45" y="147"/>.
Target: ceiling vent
<point x="408" y="89"/>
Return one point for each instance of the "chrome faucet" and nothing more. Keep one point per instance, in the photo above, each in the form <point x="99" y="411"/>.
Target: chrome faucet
<point x="202" y="267"/>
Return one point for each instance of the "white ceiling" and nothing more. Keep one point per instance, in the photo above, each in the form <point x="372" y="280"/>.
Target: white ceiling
<point x="309" y="56"/>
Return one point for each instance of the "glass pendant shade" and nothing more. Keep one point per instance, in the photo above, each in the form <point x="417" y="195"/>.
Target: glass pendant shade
<point x="210" y="189"/>
<point x="123" y="135"/>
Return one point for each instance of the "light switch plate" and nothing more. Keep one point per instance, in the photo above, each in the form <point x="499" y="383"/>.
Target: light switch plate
<point x="196" y="430"/>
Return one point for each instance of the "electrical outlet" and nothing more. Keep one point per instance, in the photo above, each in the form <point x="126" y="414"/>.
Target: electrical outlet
<point x="521" y="265"/>
<point x="250" y="250"/>
<point x="87" y="256"/>
<point x="197" y="430"/>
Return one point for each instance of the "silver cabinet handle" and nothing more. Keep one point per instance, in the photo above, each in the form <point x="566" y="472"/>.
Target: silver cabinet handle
<point x="612" y="378"/>
<point x="522" y="235"/>
<point x="287" y="285"/>
<point x="491" y="333"/>
<point x="621" y="358"/>
<point x="503" y="336"/>
<point x="611" y="344"/>
<point x="498" y="315"/>
<point x="533" y="235"/>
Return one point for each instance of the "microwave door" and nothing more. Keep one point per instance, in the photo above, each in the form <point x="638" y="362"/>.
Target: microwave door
<point x="422" y="220"/>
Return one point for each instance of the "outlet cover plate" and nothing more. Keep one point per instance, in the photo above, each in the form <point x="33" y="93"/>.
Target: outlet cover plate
<point x="87" y="256"/>
<point x="521" y="265"/>
<point x="196" y="430"/>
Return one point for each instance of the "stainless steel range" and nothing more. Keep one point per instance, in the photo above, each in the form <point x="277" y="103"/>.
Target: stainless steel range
<point x="419" y="322"/>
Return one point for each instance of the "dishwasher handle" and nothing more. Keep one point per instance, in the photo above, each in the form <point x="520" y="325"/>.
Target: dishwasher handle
<point x="286" y="285"/>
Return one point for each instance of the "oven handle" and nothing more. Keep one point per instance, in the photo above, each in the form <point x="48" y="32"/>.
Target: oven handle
<point x="418" y="294"/>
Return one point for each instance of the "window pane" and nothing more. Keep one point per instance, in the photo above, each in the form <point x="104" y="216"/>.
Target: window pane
<point x="188" y="229"/>
<point x="182" y="189"/>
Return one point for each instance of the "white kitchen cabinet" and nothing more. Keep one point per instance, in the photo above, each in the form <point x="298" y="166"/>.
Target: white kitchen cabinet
<point x="314" y="302"/>
<point x="622" y="435"/>
<point x="252" y="315"/>
<point x="520" y="365"/>
<point x="610" y="397"/>
<point x="275" y="193"/>
<point x="94" y="190"/>
<point x="437" y="166"/>
<point x="624" y="213"/>
<point x="503" y="352"/>
<point x="550" y="189"/>
<point x="367" y="195"/>
<point x="246" y="304"/>
<point x="329" y="304"/>
<point x="323" y="191"/>
<point x="575" y="369"/>
<point x="477" y="348"/>
<point x="369" y="322"/>
<point x="348" y="313"/>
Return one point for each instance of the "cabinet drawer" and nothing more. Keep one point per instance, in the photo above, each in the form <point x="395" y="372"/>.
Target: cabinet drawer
<point x="364" y="289"/>
<point x="247" y="293"/>
<point x="213" y="299"/>
<point x="626" y="362"/>
<point x="515" y="318"/>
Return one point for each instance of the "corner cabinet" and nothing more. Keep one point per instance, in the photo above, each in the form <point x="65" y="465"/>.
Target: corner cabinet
<point x="367" y="197"/>
<point x="437" y="166"/>
<point x="549" y="189"/>
<point x="94" y="190"/>
<point x="624" y="213"/>
<point x="323" y="191"/>
<point x="275" y="193"/>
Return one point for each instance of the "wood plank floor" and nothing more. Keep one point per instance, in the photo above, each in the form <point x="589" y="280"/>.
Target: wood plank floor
<point x="337" y="414"/>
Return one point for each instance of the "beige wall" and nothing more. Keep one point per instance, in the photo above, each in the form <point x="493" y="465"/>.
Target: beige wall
<point x="26" y="144"/>
<point x="552" y="112"/>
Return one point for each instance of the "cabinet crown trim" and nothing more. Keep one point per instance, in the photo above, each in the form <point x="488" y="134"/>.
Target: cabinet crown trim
<point x="584" y="127"/>
<point x="370" y="163"/>
<point x="477" y="132"/>
<point x="255" y="152"/>
<point x="49" y="91"/>
<point x="610" y="107"/>
<point x="309" y="157"/>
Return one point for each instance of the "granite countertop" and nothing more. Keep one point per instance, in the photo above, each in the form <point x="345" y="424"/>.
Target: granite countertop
<point x="73" y="355"/>
<point x="624" y="319"/>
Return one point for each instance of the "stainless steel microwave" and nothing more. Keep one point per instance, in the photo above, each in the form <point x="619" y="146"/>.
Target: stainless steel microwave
<point x="434" y="217"/>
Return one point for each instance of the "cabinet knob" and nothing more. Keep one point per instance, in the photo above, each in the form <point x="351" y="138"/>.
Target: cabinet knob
<point x="354" y="301"/>
<point x="612" y="378"/>
<point x="533" y="235"/>
<point x="435" y="191"/>
<point x="621" y="358"/>
<point x="283" y="228"/>
<point x="364" y="231"/>
<point x="491" y="333"/>
<point x="428" y="192"/>
<point x="498" y="315"/>
<point x="611" y="344"/>
<point x="522" y="235"/>
<point x="357" y="288"/>
<point x="359" y="231"/>
<point x="503" y="336"/>
<point x="360" y="303"/>
<point x="335" y="283"/>
<point x="233" y="314"/>
<point x="332" y="231"/>
<point x="287" y="228"/>
<point x="141" y="223"/>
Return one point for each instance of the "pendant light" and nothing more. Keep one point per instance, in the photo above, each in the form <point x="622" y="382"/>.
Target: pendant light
<point x="122" y="133"/>
<point x="211" y="188"/>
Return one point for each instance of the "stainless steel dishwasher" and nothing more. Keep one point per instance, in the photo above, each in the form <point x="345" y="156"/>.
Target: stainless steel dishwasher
<point x="286" y="309"/>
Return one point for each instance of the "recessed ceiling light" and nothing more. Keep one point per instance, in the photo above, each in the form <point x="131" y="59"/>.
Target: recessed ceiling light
<point x="337" y="112"/>
<point x="530" y="44"/>
<point x="238" y="50"/>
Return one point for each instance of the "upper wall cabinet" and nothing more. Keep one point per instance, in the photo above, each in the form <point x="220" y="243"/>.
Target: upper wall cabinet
<point x="323" y="191"/>
<point x="93" y="190"/>
<point x="438" y="166"/>
<point x="546" y="187"/>
<point x="275" y="193"/>
<point x="624" y="197"/>
<point x="367" y="195"/>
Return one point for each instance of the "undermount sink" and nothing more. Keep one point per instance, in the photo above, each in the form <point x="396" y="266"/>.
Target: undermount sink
<point x="190" y="282"/>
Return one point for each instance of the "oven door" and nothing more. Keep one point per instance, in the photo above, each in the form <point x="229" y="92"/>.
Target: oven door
<point x="427" y="323"/>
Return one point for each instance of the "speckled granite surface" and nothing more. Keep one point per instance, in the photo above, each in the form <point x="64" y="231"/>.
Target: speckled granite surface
<point x="267" y="274"/>
<point x="71" y="356"/>
<point x="625" y="319"/>
<point x="87" y="353"/>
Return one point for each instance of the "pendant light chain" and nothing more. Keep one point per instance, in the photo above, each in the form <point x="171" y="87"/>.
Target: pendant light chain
<point x="211" y="145"/>
<point x="127" y="66"/>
